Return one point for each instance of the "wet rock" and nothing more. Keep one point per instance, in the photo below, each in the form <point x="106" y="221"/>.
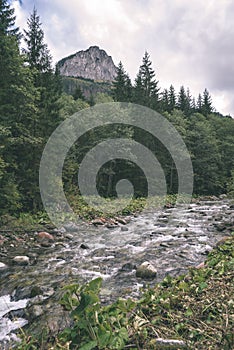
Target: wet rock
<point x="61" y="230"/>
<point x="21" y="260"/>
<point x="3" y="266"/>
<point x="111" y="226"/>
<point x="146" y="271"/>
<point x="169" y="206"/>
<point x="71" y="227"/>
<point x="45" y="236"/>
<point x="128" y="267"/>
<point x="98" y="222"/>
<point x="68" y="236"/>
<point x="13" y="314"/>
<point x="121" y="221"/>
<point x="123" y="228"/>
<point x="46" y="244"/>
<point x="223" y="196"/>
<point x="34" y="311"/>
<point x="175" y="344"/>
<point x="201" y="265"/>
<point x="21" y="292"/>
<point x="36" y="290"/>
<point x="84" y="246"/>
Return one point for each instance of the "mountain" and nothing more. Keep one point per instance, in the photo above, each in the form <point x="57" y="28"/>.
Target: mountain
<point x="93" y="63"/>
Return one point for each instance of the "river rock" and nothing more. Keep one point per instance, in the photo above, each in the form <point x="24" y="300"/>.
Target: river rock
<point x="25" y="292"/>
<point x="121" y="221"/>
<point x="45" y="236"/>
<point x="34" y="311"/>
<point x="124" y="228"/>
<point x="2" y="266"/>
<point x="128" y="267"/>
<point x="223" y="196"/>
<point x="201" y="265"/>
<point x="84" y="246"/>
<point x="71" y="227"/>
<point x="68" y="236"/>
<point x="98" y="222"/>
<point x="146" y="271"/>
<point x="21" y="260"/>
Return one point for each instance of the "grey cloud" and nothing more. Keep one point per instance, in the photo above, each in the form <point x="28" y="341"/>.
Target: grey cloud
<point x="190" y="43"/>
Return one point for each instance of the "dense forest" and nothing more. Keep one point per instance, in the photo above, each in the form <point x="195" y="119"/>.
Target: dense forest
<point x="33" y="104"/>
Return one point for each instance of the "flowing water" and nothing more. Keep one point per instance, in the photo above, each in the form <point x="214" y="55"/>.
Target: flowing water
<point x="171" y="239"/>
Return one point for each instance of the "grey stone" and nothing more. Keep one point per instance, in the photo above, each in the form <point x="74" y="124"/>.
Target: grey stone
<point x="21" y="260"/>
<point x="146" y="271"/>
<point x="93" y="63"/>
<point x="2" y="266"/>
<point x="84" y="246"/>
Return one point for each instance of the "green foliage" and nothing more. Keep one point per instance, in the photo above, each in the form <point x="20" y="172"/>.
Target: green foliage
<point x="196" y="307"/>
<point x="32" y="106"/>
<point x="102" y="97"/>
<point x="122" y="87"/>
<point x="95" y="326"/>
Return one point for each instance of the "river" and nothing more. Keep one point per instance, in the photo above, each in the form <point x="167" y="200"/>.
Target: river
<point x="171" y="239"/>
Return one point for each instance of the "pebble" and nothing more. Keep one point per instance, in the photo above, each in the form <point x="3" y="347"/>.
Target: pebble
<point x="21" y="260"/>
<point x="2" y="266"/>
<point x="84" y="246"/>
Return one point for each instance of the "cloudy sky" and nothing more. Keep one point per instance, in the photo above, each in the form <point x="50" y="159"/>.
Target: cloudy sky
<point x="190" y="43"/>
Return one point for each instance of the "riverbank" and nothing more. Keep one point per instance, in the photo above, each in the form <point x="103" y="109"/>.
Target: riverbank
<point x="192" y="311"/>
<point x="172" y="239"/>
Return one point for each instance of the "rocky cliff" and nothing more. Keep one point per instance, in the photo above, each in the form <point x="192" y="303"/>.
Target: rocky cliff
<point x="93" y="63"/>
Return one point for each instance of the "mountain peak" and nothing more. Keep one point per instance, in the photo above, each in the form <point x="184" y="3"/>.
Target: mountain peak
<point x="93" y="63"/>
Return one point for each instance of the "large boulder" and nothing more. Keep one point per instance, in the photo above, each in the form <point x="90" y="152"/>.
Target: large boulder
<point x="146" y="271"/>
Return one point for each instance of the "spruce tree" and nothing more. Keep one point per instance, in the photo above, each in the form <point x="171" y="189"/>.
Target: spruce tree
<point x="146" y="85"/>
<point x="184" y="101"/>
<point x="207" y="107"/>
<point x="37" y="52"/>
<point x="17" y="113"/>
<point x="171" y="98"/>
<point x="165" y="100"/>
<point x="46" y="81"/>
<point x="48" y="86"/>
<point x="199" y="104"/>
<point x="122" y="86"/>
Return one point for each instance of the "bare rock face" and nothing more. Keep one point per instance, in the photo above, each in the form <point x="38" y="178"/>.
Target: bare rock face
<point x="93" y="63"/>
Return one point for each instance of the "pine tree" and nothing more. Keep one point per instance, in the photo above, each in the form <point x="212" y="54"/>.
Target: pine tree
<point x="172" y="98"/>
<point x="48" y="87"/>
<point x="207" y="107"/>
<point x="122" y="87"/>
<point x="138" y="90"/>
<point x="146" y="84"/>
<point x="193" y="105"/>
<point x="184" y="101"/>
<point x="37" y="52"/>
<point x="199" y="104"/>
<point x="46" y="81"/>
<point x="17" y="113"/>
<point x="165" y="100"/>
<point x="7" y="20"/>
